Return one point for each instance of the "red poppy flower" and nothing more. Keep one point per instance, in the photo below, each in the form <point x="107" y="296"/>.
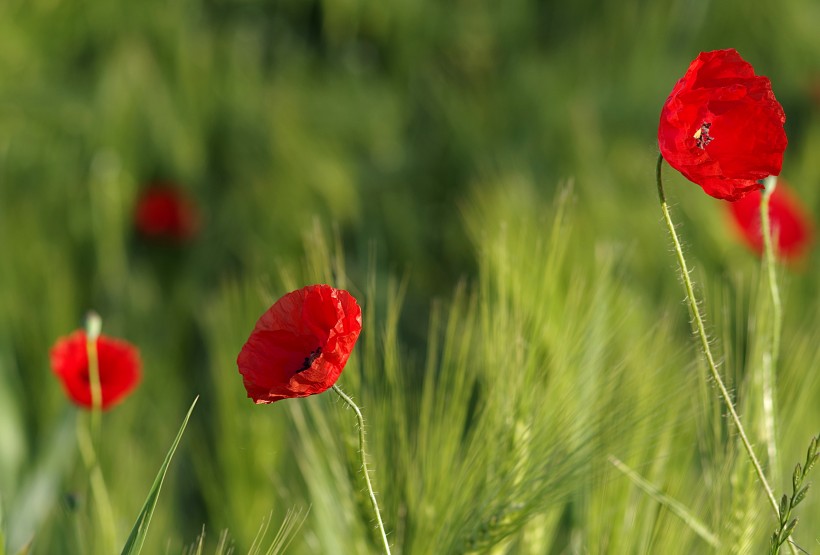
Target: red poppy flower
<point x="722" y="127"/>
<point x="119" y="368"/>
<point x="165" y="212"/>
<point x="301" y="344"/>
<point x="789" y="223"/>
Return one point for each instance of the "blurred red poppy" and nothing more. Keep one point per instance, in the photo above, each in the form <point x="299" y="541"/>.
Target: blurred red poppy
<point x="300" y="344"/>
<point x="790" y="226"/>
<point x="119" y="368"/>
<point x="722" y="127"/>
<point x="166" y="212"/>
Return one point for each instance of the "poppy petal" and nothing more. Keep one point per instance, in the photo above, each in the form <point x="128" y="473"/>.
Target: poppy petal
<point x="118" y="363"/>
<point x="722" y="126"/>
<point x="300" y="345"/>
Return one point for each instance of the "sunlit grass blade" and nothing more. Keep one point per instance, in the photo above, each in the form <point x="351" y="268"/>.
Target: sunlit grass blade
<point x="263" y="531"/>
<point x="673" y="505"/>
<point x="292" y="523"/>
<point x="222" y="547"/>
<point x="137" y="537"/>
<point x="284" y="535"/>
<point x="197" y="547"/>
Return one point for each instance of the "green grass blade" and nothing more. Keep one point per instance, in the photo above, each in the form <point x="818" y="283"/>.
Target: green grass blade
<point x="294" y="520"/>
<point x="2" y="528"/>
<point x="677" y="508"/>
<point x="137" y="537"/>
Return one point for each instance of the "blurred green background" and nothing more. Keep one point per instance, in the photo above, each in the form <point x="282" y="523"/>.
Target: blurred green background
<point x="378" y="128"/>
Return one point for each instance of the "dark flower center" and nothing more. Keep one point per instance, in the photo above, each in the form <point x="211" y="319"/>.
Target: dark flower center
<point x="309" y="359"/>
<point x="702" y="137"/>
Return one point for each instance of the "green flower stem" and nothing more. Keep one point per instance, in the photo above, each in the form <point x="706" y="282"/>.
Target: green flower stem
<point x="349" y="402"/>
<point x="768" y="251"/>
<point x="87" y="435"/>
<point x="704" y="342"/>
<point x="770" y="358"/>
<point x="769" y="425"/>
<point x="98" y="488"/>
<point x="93" y="326"/>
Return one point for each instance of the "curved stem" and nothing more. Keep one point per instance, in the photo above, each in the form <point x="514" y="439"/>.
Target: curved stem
<point x="349" y="402"/>
<point x="704" y="342"/>
<point x="768" y="251"/>
<point x="770" y="359"/>
<point x="771" y="356"/>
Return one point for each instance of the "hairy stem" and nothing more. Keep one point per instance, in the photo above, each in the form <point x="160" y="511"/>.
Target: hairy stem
<point x="349" y="402"/>
<point x="704" y="341"/>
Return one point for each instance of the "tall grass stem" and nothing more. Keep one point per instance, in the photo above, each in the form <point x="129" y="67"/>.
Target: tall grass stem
<point x="365" y="470"/>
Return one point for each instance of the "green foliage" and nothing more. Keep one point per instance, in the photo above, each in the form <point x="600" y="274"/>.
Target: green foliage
<point x="135" y="541"/>
<point x="788" y="503"/>
<point x="278" y="544"/>
<point x="36" y="495"/>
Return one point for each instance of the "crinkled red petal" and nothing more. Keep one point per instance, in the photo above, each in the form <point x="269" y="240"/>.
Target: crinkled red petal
<point x="300" y="345"/>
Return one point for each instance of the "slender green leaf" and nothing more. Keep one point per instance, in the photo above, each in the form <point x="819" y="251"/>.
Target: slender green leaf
<point x="677" y="508"/>
<point x="290" y="526"/>
<point x="2" y="528"/>
<point x="137" y="537"/>
<point x="800" y="495"/>
<point x="787" y="531"/>
<point x="811" y="453"/>
<point x="811" y="464"/>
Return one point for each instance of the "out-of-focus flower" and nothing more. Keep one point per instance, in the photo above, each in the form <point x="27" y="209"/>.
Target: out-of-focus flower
<point x="722" y="127"/>
<point x="165" y="212"/>
<point x="118" y="362"/>
<point x="300" y="344"/>
<point x="790" y="226"/>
